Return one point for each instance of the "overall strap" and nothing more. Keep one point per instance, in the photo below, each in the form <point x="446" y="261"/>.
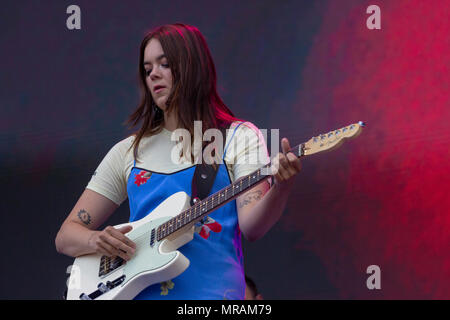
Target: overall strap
<point x="204" y="176"/>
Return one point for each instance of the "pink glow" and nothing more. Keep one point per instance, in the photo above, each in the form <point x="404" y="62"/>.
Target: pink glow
<point x="382" y="198"/>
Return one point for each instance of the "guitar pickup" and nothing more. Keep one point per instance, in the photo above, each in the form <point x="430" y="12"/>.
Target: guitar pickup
<point x="152" y="238"/>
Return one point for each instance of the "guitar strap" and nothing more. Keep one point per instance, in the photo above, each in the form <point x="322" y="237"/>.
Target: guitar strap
<point x="205" y="174"/>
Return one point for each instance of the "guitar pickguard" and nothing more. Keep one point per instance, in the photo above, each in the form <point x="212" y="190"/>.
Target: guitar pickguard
<point x="147" y="257"/>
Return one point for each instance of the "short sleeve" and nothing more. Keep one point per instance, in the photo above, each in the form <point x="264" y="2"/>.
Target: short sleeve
<point x="109" y="179"/>
<point x="246" y="151"/>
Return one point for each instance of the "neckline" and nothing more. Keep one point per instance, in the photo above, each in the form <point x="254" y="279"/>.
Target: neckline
<point x="162" y="173"/>
<point x="167" y="132"/>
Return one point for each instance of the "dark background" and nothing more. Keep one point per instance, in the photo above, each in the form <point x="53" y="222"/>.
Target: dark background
<point x="305" y="67"/>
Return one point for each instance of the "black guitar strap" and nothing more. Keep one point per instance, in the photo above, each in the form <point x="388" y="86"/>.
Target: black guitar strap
<point x="204" y="176"/>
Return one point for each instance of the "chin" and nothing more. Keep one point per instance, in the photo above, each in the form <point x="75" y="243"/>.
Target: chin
<point x="161" y="103"/>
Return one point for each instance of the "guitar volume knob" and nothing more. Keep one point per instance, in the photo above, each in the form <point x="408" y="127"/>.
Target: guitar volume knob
<point x="103" y="287"/>
<point x="84" y="296"/>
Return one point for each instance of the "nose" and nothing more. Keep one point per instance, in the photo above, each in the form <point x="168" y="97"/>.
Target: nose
<point x="155" y="74"/>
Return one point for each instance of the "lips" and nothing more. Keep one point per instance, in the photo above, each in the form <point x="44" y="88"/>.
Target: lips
<point x="156" y="88"/>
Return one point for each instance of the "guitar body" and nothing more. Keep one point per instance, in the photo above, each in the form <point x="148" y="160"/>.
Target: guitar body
<point x="95" y="276"/>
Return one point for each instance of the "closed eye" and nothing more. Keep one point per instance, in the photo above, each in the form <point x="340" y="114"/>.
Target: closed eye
<point x="148" y="71"/>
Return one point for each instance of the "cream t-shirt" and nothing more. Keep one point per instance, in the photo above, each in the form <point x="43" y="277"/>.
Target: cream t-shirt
<point x="245" y="151"/>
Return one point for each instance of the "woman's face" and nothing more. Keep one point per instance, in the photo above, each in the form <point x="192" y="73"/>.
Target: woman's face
<point x="158" y="74"/>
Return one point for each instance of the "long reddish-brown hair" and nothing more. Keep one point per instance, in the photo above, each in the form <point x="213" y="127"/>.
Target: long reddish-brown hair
<point x="194" y="94"/>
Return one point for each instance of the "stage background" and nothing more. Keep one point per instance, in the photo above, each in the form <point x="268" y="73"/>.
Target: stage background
<point x="305" y="67"/>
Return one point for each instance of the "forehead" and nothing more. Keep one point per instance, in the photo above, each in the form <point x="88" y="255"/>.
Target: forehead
<point x="153" y="51"/>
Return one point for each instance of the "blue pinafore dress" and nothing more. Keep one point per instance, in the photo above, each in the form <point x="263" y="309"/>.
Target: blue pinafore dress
<point x="216" y="268"/>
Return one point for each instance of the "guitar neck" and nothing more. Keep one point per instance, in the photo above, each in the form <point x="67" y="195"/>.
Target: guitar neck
<point x="320" y="143"/>
<point x="202" y="208"/>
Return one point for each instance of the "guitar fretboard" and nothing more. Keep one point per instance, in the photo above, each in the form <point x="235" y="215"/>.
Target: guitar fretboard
<point x="216" y="200"/>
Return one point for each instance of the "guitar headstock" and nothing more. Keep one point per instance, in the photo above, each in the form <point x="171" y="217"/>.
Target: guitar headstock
<point x="332" y="139"/>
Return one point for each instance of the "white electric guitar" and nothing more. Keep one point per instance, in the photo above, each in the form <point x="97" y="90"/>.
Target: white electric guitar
<point x="167" y="228"/>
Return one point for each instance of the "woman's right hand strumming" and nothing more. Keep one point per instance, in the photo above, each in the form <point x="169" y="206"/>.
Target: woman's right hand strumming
<point x="113" y="242"/>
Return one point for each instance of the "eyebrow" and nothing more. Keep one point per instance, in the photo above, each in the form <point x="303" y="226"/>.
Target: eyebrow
<point x="157" y="59"/>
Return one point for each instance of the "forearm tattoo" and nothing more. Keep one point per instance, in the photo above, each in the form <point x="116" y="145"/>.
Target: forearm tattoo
<point x="254" y="195"/>
<point x="84" y="217"/>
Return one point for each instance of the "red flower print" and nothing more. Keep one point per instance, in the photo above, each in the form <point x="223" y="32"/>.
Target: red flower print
<point x="142" y="177"/>
<point x="210" y="225"/>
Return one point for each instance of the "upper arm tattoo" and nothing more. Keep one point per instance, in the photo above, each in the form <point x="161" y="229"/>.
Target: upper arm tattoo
<point x="84" y="216"/>
<point x="253" y="195"/>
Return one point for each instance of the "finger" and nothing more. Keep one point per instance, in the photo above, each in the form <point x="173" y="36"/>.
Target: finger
<point x="294" y="162"/>
<point x="278" y="170"/>
<point x="285" y="170"/>
<point x="121" y="247"/>
<point x="278" y="178"/>
<point x="106" y="249"/>
<point x="285" y="146"/>
<point x="275" y="166"/>
<point x="116" y="233"/>
<point x="114" y="246"/>
<point x="123" y="255"/>
<point x="124" y="239"/>
<point x="125" y="229"/>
